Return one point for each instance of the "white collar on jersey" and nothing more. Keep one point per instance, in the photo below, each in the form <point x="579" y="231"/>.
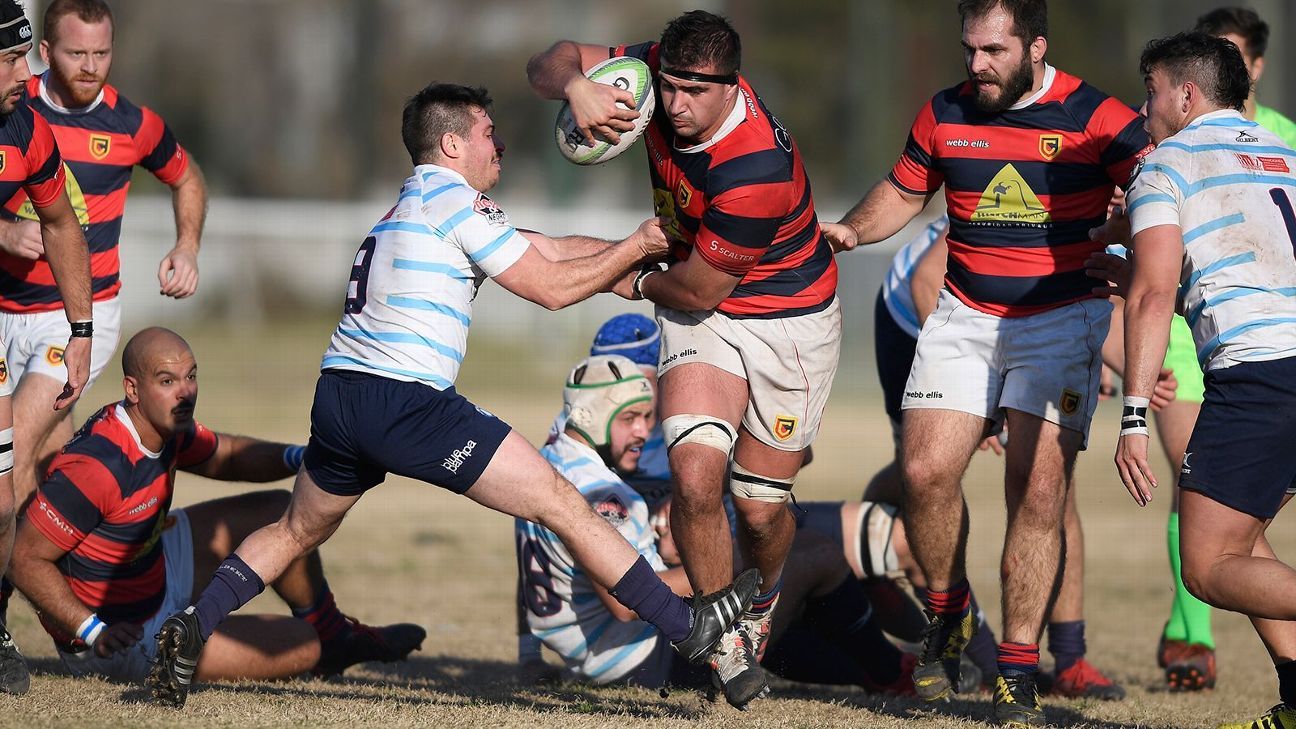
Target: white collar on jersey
<point x="45" y="97"/>
<point x="731" y="123"/>
<point x="124" y="417"/>
<point x="427" y="167"/>
<point x="1049" y="73"/>
<point x="1220" y="114"/>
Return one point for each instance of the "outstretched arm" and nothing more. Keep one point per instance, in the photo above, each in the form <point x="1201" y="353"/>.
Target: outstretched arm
<point x="240" y="458"/>
<point x="881" y="214"/>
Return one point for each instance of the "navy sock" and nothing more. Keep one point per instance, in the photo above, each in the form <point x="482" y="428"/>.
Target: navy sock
<point x="233" y="585"/>
<point x="983" y="649"/>
<point x="1287" y="682"/>
<point x="763" y="602"/>
<point x="6" y="591"/>
<point x="641" y="590"/>
<point x="845" y="617"/>
<point x="1066" y="643"/>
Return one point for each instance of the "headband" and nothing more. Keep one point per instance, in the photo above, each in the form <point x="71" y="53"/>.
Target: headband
<point x="708" y="78"/>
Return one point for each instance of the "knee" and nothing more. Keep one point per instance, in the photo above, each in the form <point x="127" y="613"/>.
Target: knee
<point x="1195" y="573"/>
<point x="1042" y="504"/>
<point x="761" y="519"/>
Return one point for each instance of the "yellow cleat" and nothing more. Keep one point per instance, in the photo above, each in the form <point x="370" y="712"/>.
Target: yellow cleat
<point x="1281" y="716"/>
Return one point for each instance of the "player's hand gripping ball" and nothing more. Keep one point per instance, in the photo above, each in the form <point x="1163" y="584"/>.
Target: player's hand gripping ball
<point x="629" y="74"/>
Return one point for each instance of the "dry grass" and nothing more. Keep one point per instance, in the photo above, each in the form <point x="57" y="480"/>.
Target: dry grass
<point x="415" y="553"/>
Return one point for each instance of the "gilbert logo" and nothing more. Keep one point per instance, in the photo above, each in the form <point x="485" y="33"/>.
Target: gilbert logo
<point x="458" y="457"/>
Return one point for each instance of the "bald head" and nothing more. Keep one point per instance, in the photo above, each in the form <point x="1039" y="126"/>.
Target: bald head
<point x="149" y="348"/>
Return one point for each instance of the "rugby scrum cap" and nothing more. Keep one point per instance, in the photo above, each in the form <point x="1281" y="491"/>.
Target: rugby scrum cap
<point x="597" y="390"/>
<point x="634" y="336"/>
<point x="15" y="29"/>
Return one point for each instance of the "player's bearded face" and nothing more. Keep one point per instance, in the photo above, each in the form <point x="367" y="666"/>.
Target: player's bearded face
<point x="995" y="92"/>
<point x="168" y="393"/>
<point x="13" y="77"/>
<point x="629" y="432"/>
<point x="79" y="58"/>
<point x="1165" y="115"/>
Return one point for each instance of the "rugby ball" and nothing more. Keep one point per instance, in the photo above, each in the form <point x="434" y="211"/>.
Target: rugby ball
<point x="623" y="72"/>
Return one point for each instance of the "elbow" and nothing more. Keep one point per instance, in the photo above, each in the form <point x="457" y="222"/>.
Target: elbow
<point x="552" y="301"/>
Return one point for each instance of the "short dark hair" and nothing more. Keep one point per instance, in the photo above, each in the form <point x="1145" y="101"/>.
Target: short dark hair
<point x="1211" y="62"/>
<point x="697" y="39"/>
<point x="1030" y="17"/>
<point x="437" y="110"/>
<point x="1240" y="21"/>
<point x="88" y="11"/>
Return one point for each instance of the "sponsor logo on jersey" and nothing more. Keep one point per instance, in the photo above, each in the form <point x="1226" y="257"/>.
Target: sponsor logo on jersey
<point x="784" y="426"/>
<point x="457" y="458"/>
<point x="144" y="506"/>
<point x="664" y="206"/>
<point x="1244" y="137"/>
<point x="54" y="518"/>
<point x="100" y="144"/>
<point x="1069" y="402"/>
<point x="1185" y="469"/>
<point x="1050" y="145"/>
<point x="1008" y="199"/>
<point x="1260" y="163"/>
<point x="613" y="510"/>
<point x="970" y="143"/>
<point x="54" y="355"/>
<point x="487" y="208"/>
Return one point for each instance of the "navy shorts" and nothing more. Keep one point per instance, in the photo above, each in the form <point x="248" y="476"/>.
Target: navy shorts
<point x="893" y="349"/>
<point x="364" y="426"/>
<point x="1240" y="453"/>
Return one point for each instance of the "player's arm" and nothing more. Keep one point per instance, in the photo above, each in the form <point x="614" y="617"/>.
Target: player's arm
<point x="240" y="458"/>
<point x="69" y="260"/>
<point x="557" y="284"/>
<point x="929" y="277"/>
<point x="1148" y="308"/>
<point x="559" y="73"/>
<point x="568" y="246"/>
<point x="690" y="285"/>
<point x="178" y="271"/>
<point x="881" y="214"/>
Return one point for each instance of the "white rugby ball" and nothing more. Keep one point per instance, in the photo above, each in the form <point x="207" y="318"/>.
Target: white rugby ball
<point x="623" y="72"/>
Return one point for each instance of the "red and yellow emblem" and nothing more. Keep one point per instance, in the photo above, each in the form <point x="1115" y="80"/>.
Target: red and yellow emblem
<point x="2" y="159"/>
<point x="684" y="194"/>
<point x="4" y="371"/>
<point x="54" y="355"/>
<point x="784" y="426"/>
<point x="1050" y="145"/>
<point x="100" y="144"/>
<point x="1069" y="402"/>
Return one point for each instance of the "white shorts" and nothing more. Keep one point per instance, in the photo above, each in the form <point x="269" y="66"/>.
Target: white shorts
<point x="1046" y="365"/>
<point x="132" y="665"/>
<point x="788" y="363"/>
<point x="35" y="342"/>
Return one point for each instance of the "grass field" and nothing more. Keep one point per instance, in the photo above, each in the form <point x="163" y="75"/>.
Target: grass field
<point x="414" y="553"/>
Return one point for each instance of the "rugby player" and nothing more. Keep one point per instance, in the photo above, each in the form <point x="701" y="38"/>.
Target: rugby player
<point x="105" y="559"/>
<point x="32" y="166"/>
<point x="610" y="409"/>
<point x="1213" y="233"/>
<point x="751" y="325"/>
<point x="102" y="136"/>
<point x="1028" y="156"/>
<point x="385" y="400"/>
<point x="1187" y="647"/>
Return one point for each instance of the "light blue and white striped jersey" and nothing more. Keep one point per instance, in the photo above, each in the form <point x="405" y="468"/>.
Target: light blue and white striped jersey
<point x="1228" y="184"/>
<point x="895" y="290"/>
<point x="409" y="301"/>
<point x="562" y="608"/>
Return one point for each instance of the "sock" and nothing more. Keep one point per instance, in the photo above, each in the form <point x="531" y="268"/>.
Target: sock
<point x="233" y="585"/>
<point x="529" y="649"/>
<point x="1019" y="658"/>
<point x="6" y="592"/>
<point x="1287" y="682"/>
<point x="983" y="649"/>
<point x="763" y="602"/>
<point x="1196" y="615"/>
<point x="845" y="617"/>
<point x="641" y="590"/>
<point x="1066" y="643"/>
<point x="1175" y="628"/>
<point x="954" y="601"/>
<point x="329" y="622"/>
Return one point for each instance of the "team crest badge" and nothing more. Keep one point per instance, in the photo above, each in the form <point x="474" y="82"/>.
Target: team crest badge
<point x="1050" y="145"/>
<point x="684" y="193"/>
<point x="99" y="145"/>
<point x="613" y="510"/>
<point x="4" y="371"/>
<point x="54" y="355"/>
<point x="2" y="160"/>
<point x="784" y="426"/>
<point x="487" y="208"/>
<point x="1070" y="402"/>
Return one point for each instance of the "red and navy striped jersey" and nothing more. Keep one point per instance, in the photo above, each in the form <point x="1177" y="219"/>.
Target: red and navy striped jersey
<point x="105" y="502"/>
<point x="1023" y="187"/>
<point x="101" y="145"/>
<point x="30" y="169"/>
<point x="742" y="202"/>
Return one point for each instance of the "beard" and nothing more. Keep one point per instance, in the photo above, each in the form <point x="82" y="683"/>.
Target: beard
<point x="78" y="95"/>
<point x="1011" y="89"/>
<point x="7" y="107"/>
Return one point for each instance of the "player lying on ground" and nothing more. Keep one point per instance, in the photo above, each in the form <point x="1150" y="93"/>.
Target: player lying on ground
<point x="104" y="559"/>
<point x="822" y="631"/>
<point x="385" y="400"/>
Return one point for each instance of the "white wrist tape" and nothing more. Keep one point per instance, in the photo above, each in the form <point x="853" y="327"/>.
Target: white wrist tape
<point x="1134" y="416"/>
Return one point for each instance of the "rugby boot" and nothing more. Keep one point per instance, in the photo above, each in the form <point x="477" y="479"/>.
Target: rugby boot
<point x="363" y="643"/>
<point x="1168" y="650"/>
<point x="715" y="614"/>
<point x="1281" y="716"/>
<point x="903" y="685"/>
<point x="14" y="676"/>
<point x="1192" y="670"/>
<point x="1016" y="702"/>
<point x="734" y="668"/>
<point x="936" y="675"/>
<point x="179" y="643"/>
<point x="1082" y="680"/>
